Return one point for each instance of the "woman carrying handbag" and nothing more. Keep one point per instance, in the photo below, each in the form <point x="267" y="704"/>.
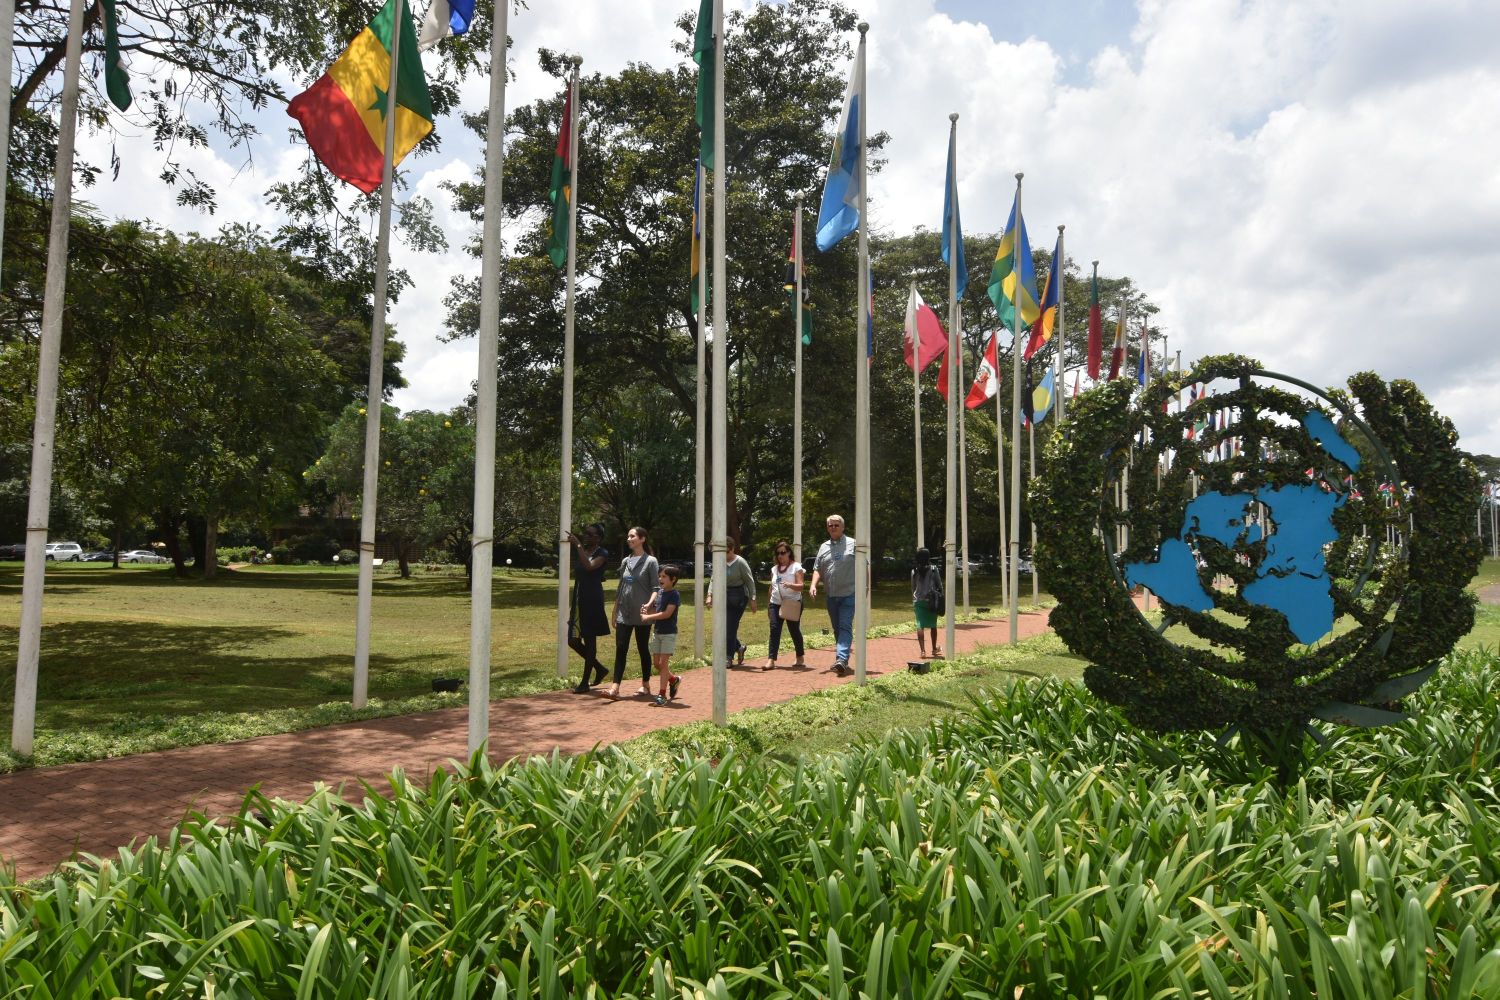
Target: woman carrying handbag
<point x="786" y="603"/>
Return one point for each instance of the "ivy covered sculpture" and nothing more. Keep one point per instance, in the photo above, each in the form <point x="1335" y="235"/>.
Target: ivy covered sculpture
<point x="1309" y="549"/>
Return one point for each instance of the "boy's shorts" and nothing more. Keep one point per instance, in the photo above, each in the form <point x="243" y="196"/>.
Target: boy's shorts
<point x="663" y="644"/>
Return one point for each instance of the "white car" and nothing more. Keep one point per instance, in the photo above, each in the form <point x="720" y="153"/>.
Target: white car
<point x="142" y="556"/>
<point x="64" y="552"/>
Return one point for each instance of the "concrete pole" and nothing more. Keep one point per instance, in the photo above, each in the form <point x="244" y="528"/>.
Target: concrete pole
<point x="565" y="507"/>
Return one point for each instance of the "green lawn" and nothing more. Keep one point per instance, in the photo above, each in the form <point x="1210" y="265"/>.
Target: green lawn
<point x="135" y="659"/>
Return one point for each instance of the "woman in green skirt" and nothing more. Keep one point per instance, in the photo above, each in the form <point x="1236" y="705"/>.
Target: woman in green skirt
<point x="926" y="599"/>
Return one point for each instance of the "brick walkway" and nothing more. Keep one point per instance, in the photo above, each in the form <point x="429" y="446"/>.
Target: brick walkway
<point x="49" y="814"/>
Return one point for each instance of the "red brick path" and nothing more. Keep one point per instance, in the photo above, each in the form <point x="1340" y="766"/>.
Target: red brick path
<point x="49" y="814"/>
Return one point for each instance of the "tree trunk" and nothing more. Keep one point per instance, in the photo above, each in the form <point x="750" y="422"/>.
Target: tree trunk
<point x="167" y="525"/>
<point x="115" y="564"/>
<point x="210" y="546"/>
<point x="401" y="558"/>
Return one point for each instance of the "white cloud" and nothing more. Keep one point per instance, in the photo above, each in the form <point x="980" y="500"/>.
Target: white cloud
<point x="1312" y="184"/>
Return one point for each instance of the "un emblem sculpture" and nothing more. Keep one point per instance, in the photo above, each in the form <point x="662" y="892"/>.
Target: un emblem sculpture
<point x="1309" y="550"/>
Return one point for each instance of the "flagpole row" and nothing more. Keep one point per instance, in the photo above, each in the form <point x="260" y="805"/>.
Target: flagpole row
<point x="565" y="507"/>
<point x="950" y="525"/>
<point x="375" y="393"/>
<point x="482" y="538"/>
<point x="43" y="435"/>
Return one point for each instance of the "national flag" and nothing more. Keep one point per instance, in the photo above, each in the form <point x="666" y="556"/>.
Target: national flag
<point x="931" y="340"/>
<point x="695" y="242"/>
<point x="952" y="224"/>
<point x="1075" y="385"/>
<point x="706" y="55"/>
<point x="870" y="321"/>
<point x="1041" y="330"/>
<point x="794" y="263"/>
<point x="1096" y="329"/>
<point x="116" y="79"/>
<point x="838" y="216"/>
<point x="1117" y="358"/>
<point x="561" y="192"/>
<point x="1143" y="364"/>
<point x="343" y="114"/>
<point x="444" y="18"/>
<point x="986" y="379"/>
<point x="1006" y="281"/>
<point x="1041" y="396"/>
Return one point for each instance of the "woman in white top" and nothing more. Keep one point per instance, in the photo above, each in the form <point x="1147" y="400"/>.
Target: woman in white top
<point x="786" y="603"/>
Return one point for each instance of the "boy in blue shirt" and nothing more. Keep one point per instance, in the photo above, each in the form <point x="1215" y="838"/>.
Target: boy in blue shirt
<point x="661" y="610"/>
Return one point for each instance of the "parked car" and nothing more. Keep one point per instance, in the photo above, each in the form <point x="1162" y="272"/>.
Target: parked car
<point x="98" y="557"/>
<point x="64" y="552"/>
<point x="142" y="556"/>
<point x="16" y="552"/>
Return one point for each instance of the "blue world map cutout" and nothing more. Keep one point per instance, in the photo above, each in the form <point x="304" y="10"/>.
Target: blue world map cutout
<point x="1292" y="578"/>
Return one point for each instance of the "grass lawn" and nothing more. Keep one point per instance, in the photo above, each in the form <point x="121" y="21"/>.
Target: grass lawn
<point x="135" y="659"/>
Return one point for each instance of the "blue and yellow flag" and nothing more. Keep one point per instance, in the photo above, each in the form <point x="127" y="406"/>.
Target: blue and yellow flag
<point x="1014" y="274"/>
<point x="952" y="225"/>
<point x="1041" y="330"/>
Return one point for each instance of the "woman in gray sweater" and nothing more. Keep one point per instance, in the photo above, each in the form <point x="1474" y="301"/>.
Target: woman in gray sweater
<point x="740" y="585"/>
<point x="638" y="572"/>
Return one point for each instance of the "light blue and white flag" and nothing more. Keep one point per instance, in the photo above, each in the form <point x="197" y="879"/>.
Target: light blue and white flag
<point x="444" y="18"/>
<point x="842" y="198"/>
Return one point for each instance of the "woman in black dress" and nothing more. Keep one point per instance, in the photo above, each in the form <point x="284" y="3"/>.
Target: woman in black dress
<point x="588" y="621"/>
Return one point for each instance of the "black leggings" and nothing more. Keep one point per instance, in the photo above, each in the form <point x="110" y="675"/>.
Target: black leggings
<point x="586" y="646"/>
<point x="622" y="650"/>
<point x="794" y="627"/>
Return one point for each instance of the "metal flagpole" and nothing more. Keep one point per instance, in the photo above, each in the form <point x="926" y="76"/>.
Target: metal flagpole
<point x="916" y="409"/>
<point x="1059" y="390"/>
<point x="950" y="522"/>
<point x="797" y="404"/>
<point x="374" y="395"/>
<point x="963" y="468"/>
<point x="565" y="507"/>
<point x="28" y="654"/>
<point x="700" y="430"/>
<point x="1031" y="458"/>
<point x="7" y="42"/>
<point x="1000" y="475"/>
<point x="862" y="398"/>
<point x="720" y="392"/>
<point x="482" y="557"/>
<point x="1015" y="427"/>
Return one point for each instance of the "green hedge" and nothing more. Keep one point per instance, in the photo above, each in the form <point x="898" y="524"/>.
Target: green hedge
<point x="1033" y="849"/>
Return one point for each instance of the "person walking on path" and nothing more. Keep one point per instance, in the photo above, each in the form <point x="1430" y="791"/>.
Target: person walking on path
<point x="739" y="585"/>
<point x="661" y="613"/>
<point x="588" y="621"/>
<point x="926" y="599"/>
<point x="834" y="570"/>
<point x="638" y="573"/>
<point x="786" y="603"/>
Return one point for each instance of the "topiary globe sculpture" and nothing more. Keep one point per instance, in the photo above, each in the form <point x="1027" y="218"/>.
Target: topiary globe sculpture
<point x="1309" y="550"/>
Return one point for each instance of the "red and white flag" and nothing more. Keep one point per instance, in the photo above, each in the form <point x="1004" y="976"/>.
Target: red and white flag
<point x="986" y="380"/>
<point x="930" y="337"/>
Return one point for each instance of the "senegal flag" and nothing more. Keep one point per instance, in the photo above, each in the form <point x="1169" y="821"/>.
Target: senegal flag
<point x="561" y="191"/>
<point x="1006" y="285"/>
<point x="706" y="55"/>
<point x="343" y="114"/>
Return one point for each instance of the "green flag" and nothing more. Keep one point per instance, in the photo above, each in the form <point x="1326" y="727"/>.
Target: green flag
<point x="116" y="80"/>
<point x="705" y="55"/>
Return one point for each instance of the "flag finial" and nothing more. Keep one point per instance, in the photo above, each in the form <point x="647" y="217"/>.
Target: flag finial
<point x="1096" y="265"/>
<point x="953" y="117"/>
<point x="576" y="61"/>
<point x="1061" y="228"/>
<point x="864" y="27"/>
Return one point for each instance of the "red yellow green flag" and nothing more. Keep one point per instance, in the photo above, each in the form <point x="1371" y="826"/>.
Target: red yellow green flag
<point x="343" y="114"/>
<point x="562" y="186"/>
